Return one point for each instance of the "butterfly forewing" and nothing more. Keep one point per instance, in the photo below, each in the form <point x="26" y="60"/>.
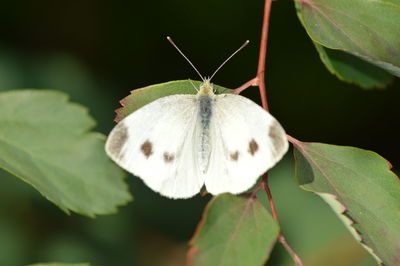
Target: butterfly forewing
<point x="158" y="144"/>
<point x="246" y="142"/>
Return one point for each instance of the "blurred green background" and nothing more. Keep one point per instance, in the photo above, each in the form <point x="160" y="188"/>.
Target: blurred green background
<point x="97" y="51"/>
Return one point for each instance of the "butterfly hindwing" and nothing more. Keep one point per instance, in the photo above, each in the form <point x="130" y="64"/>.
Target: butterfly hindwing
<point x="157" y="143"/>
<point x="246" y="142"/>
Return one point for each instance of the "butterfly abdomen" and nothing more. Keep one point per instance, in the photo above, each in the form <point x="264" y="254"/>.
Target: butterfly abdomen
<point x="204" y="105"/>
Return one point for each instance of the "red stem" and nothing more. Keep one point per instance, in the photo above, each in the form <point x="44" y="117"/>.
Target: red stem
<point x="281" y="237"/>
<point x="260" y="81"/>
<point x="292" y="140"/>
<point x="263" y="54"/>
<point x="252" y="82"/>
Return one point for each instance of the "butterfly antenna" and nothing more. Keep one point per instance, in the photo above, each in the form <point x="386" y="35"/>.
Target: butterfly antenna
<point x="184" y="56"/>
<point x="240" y="48"/>
<point x="193" y="85"/>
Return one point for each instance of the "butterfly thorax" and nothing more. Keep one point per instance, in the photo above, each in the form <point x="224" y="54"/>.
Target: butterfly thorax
<point x="206" y="88"/>
<point x="205" y="99"/>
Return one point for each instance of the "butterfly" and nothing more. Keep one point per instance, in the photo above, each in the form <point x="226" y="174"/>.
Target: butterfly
<point x="179" y="143"/>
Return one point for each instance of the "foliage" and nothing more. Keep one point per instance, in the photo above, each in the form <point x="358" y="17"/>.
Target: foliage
<point x="346" y="26"/>
<point x="44" y="140"/>
<point x="341" y="176"/>
<point x="47" y="141"/>
<point x="360" y="188"/>
<point x="233" y="231"/>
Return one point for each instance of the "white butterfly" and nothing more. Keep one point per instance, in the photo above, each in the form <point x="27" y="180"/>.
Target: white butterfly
<point x="179" y="143"/>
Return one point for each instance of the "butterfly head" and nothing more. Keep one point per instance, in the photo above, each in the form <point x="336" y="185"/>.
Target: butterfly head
<point x="206" y="88"/>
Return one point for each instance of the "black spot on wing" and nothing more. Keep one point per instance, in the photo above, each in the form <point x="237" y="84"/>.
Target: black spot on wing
<point x="117" y="140"/>
<point x="277" y="137"/>
<point x="253" y="147"/>
<point x="168" y="157"/>
<point x="147" y="148"/>
<point x="234" y="156"/>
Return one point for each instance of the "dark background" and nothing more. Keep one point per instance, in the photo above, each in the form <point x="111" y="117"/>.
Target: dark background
<point x="97" y="51"/>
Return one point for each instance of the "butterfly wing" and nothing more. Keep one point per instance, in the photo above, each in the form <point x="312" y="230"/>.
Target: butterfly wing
<point x="246" y="142"/>
<point x="157" y="143"/>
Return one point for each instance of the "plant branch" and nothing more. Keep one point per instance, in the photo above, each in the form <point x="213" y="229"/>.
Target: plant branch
<point x="293" y="140"/>
<point x="263" y="54"/>
<point x="259" y="81"/>
<point x="252" y="82"/>
<point x="281" y="237"/>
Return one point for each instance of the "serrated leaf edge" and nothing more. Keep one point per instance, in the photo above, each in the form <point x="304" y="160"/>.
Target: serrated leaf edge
<point x="340" y="211"/>
<point x="338" y="208"/>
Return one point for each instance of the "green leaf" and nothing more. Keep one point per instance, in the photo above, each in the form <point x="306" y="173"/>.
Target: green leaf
<point x="360" y="188"/>
<point x="45" y="141"/>
<point x="143" y="96"/>
<point x="311" y="228"/>
<point x="367" y="29"/>
<point x="234" y="230"/>
<point x="352" y="69"/>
